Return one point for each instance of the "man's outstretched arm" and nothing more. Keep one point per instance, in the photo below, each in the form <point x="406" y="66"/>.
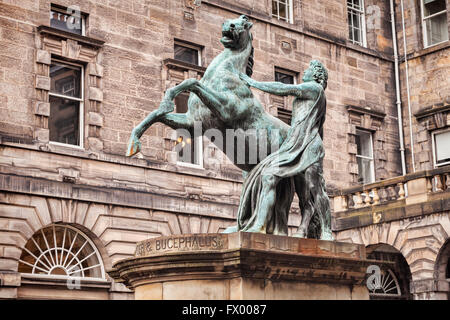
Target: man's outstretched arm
<point x="277" y="88"/>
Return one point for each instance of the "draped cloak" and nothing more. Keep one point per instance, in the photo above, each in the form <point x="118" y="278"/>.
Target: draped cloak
<point x="302" y="148"/>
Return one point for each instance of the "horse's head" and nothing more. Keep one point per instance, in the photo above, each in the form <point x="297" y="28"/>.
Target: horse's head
<point x="236" y="33"/>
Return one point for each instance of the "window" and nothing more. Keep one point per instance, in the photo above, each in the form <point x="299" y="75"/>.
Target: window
<point x="356" y="22"/>
<point x="285" y="115"/>
<point x="441" y="147"/>
<point x="434" y="21"/>
<point x="187" y="53"/>
<point x="287" y="77"/>
<point x="364" y="156"/>
<point x="60" y="251"/>
<point x="69" y="19"/>
<point x="66" y="103"/>
<point x="282" y="10"/>
<point x="191" y="151"/>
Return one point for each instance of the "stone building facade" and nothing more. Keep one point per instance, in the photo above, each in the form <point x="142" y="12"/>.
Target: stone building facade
<point x="64" y="176"/>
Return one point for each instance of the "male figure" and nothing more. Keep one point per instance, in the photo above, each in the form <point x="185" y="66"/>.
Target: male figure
<point x="299" y="158"/>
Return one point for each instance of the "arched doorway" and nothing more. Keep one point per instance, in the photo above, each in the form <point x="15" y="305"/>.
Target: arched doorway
<point x="442" y="272"/>
<point x="393" y="283"/>
<point x="61" y="262"/>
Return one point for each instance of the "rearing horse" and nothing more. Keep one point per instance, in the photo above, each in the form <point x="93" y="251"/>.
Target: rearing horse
<point x="221" y="100"/>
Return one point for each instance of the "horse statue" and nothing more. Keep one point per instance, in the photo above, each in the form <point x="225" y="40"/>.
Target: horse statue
<point x="221" y="100"/>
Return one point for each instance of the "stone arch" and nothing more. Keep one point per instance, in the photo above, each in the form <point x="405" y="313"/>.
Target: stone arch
<point x="442" y="271"/>
<point x="61" y="247"/>
<point x="23" y="215"/>
<point x="399" y="272"/>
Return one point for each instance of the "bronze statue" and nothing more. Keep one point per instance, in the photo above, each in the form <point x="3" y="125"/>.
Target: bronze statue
<point x="298" y="162"/>
<point x="222" y="100"/>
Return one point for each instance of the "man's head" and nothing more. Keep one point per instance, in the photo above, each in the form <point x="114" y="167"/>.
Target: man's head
<point x="316" y="72"/>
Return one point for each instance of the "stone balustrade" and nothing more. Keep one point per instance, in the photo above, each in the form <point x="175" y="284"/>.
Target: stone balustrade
<point x="411" y="188"/>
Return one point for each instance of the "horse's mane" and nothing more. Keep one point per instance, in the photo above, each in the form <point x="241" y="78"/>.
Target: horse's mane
<point x="251" y="61"/>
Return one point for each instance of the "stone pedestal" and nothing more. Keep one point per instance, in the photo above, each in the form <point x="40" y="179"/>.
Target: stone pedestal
<point x="244" y="266"/>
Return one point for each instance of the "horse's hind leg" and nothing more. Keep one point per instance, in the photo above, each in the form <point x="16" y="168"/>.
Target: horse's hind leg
<point x="178" y="121"/>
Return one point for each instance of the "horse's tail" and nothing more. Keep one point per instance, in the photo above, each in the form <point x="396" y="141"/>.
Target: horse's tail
<point x="250" y="63"/>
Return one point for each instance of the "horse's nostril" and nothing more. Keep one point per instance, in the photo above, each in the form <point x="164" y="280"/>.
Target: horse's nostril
<point x="231" y="25"/>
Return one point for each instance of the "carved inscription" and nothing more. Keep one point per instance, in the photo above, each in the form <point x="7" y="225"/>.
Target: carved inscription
<point x="180" y="243"/>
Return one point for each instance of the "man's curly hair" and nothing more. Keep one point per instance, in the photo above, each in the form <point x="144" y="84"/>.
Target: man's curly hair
<point x="320" y="73"/>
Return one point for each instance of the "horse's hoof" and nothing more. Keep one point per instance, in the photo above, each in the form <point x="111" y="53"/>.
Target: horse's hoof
<point x="256" y="230"/>
<point x="300" y="234"/>
<point x="133" y="148"/>
<point x="328" y="236"/>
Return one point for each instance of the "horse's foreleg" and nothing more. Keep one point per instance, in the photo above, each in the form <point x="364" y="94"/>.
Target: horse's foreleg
<point x="134" y="145"/>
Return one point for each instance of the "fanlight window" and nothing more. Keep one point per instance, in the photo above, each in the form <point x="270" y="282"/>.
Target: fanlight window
<point x="387" y="286"/>
<point x="61" y="250"/>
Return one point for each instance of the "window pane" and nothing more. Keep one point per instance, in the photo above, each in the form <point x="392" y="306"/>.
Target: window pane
<point x="64" y="120"/>
<point x="274" y="8"/>
<point x="186" y="54"/>
<point x="65" y="79"/>
<point x="187" y="152"/>
<point x="285" y="115"/>
<point x="189" y="145"/>
<point x="284" y="78"/>
<point x="69" y="23"/>
<point x="437" y="30"/>
<point x="365" y="170"/>
<point x="442" y="141"/>
<point x="433" y="6"/>
<point x="283" y="11"/>
<point x="364" y="143"/>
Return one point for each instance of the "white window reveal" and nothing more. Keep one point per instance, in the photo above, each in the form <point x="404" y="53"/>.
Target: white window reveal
<point x="66" y="103"/>
<point x="434" y="22"/>
<point x="364" y="156"/>
<point x="60" y="251"/>
<point x="356" y="22"/>
<point x="190" y="148"/>
<point x="283" y="10"/>
<point x="441" y="147"/>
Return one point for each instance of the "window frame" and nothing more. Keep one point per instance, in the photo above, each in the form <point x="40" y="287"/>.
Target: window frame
<point x="424" y="26"/>
<point x="363" y="31"/>
<point x="80" y="100"/>
<point x="433" y="142"/>
<point x="64" y="11"/>
<point x="290" y="11"/>
<point x="372" y="159"/>
<point x="190" y="46"/>
<point x="286" y="72"/>
<point x="88" y="240"/>
<point x="198" y="141"/>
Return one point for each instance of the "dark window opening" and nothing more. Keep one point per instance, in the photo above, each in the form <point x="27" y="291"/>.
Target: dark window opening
<point x="66" y="102"/>
<point x="284" y="77"/>
<point x="69" y="20"/>
<point x="285" y="115"/>
<point x="186" y="54"/>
